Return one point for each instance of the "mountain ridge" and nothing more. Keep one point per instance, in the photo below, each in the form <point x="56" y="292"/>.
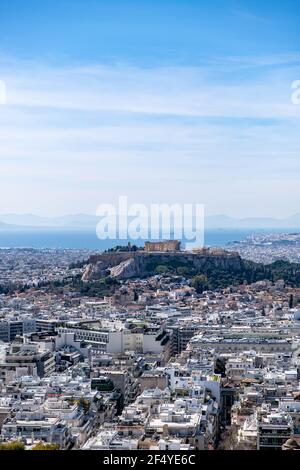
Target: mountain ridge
<point x="88" y="221"/>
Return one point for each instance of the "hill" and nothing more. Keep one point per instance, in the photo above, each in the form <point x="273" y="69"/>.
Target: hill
<point x="219" y="267"/>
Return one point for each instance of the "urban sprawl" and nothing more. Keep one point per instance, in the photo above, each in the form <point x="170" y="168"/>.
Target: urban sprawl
<point x="98" y="357"/>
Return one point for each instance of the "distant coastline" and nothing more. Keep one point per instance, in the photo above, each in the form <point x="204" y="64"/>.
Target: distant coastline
<point x="68" y="238"/>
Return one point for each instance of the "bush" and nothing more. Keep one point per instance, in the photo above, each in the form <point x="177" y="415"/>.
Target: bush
<point x="183" y="271"/>
<point x="13" y="445"/>
<point x="45" y="446"/>
<point x="200" y="283"/>
<point x="161" y="269"/>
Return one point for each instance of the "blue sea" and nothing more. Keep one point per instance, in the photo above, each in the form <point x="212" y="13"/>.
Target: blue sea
<point x="87" y="239"/>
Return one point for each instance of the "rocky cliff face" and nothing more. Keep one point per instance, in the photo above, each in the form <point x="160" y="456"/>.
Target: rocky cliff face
<point x="125" y="269"/>
<point x="126" y="265"/>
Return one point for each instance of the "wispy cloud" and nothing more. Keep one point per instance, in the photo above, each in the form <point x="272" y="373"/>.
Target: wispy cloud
<point x="194" y="91"/>
<point x="250" y="16"/>
<point x="94" y="131"/>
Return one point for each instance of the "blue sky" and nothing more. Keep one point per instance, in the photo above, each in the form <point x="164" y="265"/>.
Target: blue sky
<point x="163" y="101"/>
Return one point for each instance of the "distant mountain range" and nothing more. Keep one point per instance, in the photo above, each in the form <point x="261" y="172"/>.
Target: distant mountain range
<point x="87" y="222"/>
<point x="33" y="221"/>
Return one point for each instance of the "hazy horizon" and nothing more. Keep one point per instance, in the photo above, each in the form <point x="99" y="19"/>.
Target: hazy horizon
<point x="89" y="221"/>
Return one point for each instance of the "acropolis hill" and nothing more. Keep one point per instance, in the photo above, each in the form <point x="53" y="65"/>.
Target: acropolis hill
<point x="143" y="262"/>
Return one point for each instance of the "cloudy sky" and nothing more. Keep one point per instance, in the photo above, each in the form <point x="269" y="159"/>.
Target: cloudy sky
<point x="173" y="101"/>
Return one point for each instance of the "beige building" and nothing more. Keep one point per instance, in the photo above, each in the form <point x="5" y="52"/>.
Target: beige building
<point x="164" y="246"/>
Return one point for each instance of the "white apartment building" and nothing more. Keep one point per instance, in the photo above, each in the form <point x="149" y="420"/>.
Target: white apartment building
<point x="274" y="429"/>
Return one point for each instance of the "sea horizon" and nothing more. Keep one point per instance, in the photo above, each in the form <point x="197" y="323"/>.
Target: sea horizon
<point x="41" y="238"/>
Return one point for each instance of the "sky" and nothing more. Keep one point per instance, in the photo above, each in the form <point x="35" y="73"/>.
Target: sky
<point x="172" y="101"/>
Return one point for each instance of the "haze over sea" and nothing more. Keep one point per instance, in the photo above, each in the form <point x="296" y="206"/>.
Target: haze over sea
<point x="87" y="239"/>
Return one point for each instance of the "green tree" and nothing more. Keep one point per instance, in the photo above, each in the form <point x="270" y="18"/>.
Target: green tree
<point x="200" y="283"/>
<point x="13" y="445"/>
<point x="161" y="269"/>
<point x="45" y="446"/>
<point x="183" y="271"/>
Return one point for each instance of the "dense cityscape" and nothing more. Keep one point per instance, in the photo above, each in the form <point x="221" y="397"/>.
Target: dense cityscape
<point x="269" y="247"/>
<point x="152" y="362"/>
